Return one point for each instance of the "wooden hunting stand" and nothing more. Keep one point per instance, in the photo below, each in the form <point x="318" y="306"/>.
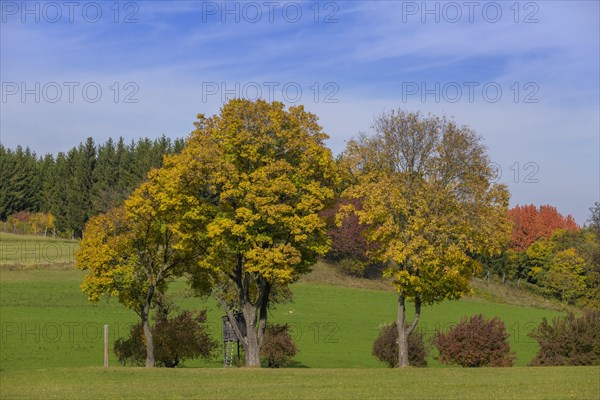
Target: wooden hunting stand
<point x="230" y="338"/>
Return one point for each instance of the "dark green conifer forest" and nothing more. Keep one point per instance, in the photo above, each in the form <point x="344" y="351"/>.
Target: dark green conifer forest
<point x="75" y="185"/>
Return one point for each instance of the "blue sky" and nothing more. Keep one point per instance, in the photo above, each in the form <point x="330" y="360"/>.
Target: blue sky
<point x="524" y="75"/>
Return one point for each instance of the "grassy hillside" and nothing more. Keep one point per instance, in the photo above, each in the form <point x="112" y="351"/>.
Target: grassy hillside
<point x="26" y="252"/>
<point x="326" y="274"/>
<point x="18" y="252"/>
<point x="47" y="321"/>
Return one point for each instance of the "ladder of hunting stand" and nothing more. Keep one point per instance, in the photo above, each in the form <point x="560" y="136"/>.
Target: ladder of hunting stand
<point x="230" y="353"/>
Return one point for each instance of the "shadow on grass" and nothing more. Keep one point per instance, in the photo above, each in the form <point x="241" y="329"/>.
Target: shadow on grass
<point x="287" y="364"/>
<point x="295" y="364"/>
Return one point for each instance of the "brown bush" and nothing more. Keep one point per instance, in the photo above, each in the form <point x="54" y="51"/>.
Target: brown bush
<point x="385" y="347"/>
<point x="278" y="347"/>
<point x="568" y="340"/>
<point x="475" y="342"/>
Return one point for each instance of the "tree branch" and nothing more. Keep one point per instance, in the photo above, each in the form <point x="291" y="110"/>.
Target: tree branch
<point x="232" y="320"/>
<point x="417" y="315"/>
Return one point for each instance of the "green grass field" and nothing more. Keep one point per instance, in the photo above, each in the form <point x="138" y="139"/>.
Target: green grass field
<point x="51" y="345"/>
<point x="47" y="322"/>
<point x="447" y="383"/>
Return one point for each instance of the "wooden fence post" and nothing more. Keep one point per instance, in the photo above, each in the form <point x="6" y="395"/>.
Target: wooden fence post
<point x="105" y="345"/>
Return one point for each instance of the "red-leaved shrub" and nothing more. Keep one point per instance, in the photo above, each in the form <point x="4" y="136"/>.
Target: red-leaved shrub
<point x="569" y="340"/>
<point x="175" y="340"/>
<point x="385" y="347"/>
<point x="278" y="347"/>
<point x="475" y="342"/>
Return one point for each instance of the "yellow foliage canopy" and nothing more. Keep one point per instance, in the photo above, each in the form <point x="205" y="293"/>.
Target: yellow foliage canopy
<point x="259" y="175"/>
<point x="428" y="203"/>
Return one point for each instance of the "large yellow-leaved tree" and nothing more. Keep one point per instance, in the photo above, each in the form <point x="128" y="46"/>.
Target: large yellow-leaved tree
<point x="252" y="181"/>
<point x="429" y="205"/>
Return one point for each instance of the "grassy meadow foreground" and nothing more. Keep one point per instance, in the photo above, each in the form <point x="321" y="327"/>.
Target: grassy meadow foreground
<point x="51" y="343"/>
<point x="413" y="383"/>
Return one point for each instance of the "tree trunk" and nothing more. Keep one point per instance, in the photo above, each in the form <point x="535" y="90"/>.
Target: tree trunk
<point x="148" y="336"/>
<point x="254" y="311"/>
<point x="255" y="315"/>
<point x="405" y="331"/>
<point x="402" y="334"/>
<point x="252" y="343"/>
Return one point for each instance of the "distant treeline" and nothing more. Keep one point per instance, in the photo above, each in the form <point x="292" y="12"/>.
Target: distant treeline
<point x="87" y="180"/>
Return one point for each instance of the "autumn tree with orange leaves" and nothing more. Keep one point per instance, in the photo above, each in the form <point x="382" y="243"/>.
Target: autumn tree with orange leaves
<point x="531" y="223"/>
